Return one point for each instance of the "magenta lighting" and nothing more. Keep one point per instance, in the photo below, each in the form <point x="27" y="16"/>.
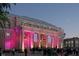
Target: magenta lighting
<point x="28" y="40"/>
<point x="26" y="32"/>
<point x="10" y="38"/>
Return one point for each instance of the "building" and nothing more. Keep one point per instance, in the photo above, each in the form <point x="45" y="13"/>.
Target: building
<point x="71" y="42"/>
<point x="25" y="32"/>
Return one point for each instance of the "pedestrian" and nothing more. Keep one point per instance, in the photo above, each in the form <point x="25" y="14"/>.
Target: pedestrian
<point x="25" y="50"/>
<point x="13" y="52"/>
<point x="0" y="51"/>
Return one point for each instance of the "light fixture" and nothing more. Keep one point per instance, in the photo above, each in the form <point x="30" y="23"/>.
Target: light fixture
<point x="7" y="34"/>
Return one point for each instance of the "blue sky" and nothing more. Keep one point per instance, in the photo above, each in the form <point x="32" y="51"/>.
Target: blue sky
<point x="65" y="16"/>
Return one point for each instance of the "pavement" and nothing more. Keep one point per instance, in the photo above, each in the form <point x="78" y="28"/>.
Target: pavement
<point x="36" y="53"/>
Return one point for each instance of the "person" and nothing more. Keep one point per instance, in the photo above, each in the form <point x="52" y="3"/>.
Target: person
<point x="44" y="52"/>
<point x="76" y="52"/>
<point x="25" y="50"/>
<point x="0" y="52"/>
<point x="13" y="52"/>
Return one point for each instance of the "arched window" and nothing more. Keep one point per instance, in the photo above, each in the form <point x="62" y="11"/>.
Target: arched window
<point x="35" y="37"/>
<point x="49" y="39"/>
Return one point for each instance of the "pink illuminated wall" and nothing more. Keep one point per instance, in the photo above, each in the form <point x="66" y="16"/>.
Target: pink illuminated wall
<point x="56" y="40"/>
<point x="28" y="41"/>
<point x="11" y="38"/>
<point x="54" y="43"/>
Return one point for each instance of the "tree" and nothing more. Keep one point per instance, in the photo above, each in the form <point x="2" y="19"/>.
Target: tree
<point x="4" y="7"/>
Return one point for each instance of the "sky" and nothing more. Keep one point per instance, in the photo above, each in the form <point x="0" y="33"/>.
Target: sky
<point x="65" y="15"/>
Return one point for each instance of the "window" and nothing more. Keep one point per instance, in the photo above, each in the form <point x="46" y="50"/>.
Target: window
<point x="25" y="35"/>
<point x="49" y="39"/>
<point x="66" y="43"/>
<point x="69" y="43"/>
<point x="72" y="43"/>
<point x="35" y="37"/>
<point x="76" y="43"/>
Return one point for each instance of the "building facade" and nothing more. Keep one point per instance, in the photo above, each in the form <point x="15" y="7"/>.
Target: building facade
<point x="71" y="42"/>
<point x="25" y="32"/>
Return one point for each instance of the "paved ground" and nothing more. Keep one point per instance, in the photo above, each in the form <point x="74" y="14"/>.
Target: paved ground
<point x="10" y="54"/>
<point x="36" y="53"/>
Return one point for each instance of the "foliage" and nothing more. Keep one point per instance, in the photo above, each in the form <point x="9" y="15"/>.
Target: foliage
<point x="4" y="7"/>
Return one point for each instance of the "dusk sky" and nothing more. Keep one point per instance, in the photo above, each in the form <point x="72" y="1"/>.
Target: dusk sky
<point x="65" y="16"/>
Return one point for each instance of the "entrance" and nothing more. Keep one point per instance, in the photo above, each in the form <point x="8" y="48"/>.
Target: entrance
<point x="27" y="39"/>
